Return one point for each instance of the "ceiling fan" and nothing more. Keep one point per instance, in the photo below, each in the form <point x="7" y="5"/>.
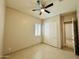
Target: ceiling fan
<point x="43" y="7"/>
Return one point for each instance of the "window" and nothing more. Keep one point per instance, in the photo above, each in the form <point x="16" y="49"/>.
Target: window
<point x="37" y="29"/>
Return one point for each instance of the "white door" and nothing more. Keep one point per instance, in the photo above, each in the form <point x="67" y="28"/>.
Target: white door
<point x="69" y="35"/>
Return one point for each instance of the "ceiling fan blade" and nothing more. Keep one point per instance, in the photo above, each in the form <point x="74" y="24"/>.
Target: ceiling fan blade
<point x="47" y="11"/>
<point x="35" y="9"/>
<point x="40" y="13"/>
<point x="49" y="5"/>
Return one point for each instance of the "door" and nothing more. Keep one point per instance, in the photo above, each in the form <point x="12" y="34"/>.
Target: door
<point x="69" y="35"/>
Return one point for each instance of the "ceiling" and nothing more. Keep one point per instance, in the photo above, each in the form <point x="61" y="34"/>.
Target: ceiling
<point x="26" y="6"/>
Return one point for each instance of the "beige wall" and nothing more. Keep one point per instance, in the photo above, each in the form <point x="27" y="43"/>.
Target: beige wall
<point x="2" y="14"/>
<point x="69" y="16"/>
<point x="19" y="30"/>
<point x="51" y="29"/>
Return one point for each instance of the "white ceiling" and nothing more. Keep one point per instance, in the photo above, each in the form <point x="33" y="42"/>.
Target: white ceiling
<point x="26" y="6"/>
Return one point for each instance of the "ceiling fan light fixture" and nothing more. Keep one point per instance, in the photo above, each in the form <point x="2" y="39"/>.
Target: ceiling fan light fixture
<point x="42" y="10"/>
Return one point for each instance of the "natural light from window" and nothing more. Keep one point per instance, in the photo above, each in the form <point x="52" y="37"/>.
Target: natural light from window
<point x="37" y="29"/>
